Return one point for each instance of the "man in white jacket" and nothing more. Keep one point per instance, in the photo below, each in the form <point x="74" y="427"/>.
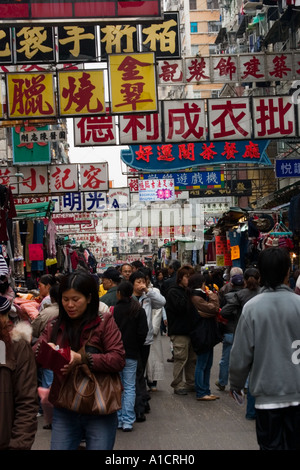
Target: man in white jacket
<point x="267" y="344"/>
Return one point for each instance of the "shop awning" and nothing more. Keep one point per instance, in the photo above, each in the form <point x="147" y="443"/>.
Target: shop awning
<point x="34" y="210"/>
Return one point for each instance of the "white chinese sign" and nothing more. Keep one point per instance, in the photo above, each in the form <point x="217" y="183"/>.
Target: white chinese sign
<point x="156" y="190"/>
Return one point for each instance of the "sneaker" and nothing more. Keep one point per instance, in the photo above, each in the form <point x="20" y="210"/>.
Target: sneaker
<point x="220" y="387"/>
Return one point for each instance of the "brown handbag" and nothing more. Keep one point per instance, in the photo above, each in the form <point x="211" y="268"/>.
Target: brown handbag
<point x="90" y="393"/>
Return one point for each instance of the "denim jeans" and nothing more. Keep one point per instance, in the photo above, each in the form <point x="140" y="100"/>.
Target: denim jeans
<point x="202" y="373"/>
<point x="126" y="416"/>
<point x="224" y="362"/>
<point x="69" y="428"/>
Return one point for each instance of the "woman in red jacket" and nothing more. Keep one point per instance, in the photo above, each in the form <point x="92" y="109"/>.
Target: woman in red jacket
<point x="79" y="321"/>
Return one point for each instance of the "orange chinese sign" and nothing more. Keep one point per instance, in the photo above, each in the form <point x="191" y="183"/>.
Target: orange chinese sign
<point x="81" y="92"/>
<point x="132" y="83"/>
<point x="30" y="95"/>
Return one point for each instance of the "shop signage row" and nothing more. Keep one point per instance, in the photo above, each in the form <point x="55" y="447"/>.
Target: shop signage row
<point x="46" y="179"/>
<point x="39" y="11"/>
<point x="193" y="120"/>
<point x="170" y="157"/>
<point x="132" y="89"/>
<point x="92" y="201"/>
<point x="44" y="45"/>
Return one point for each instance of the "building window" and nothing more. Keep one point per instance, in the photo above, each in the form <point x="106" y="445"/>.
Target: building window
<point x="194" y="27"/>
<point x="213" y="49"/>
<point x="194" y="49"/>
<point x="212" y="5"/>
<point x="214" y="26"/>
<point x="193" y="4"/>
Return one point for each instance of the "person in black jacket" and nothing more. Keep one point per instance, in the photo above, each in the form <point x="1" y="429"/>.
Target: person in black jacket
<point x="232" y="310"/>
<point x="132" y="322"/>
<point x="179" y="326"/>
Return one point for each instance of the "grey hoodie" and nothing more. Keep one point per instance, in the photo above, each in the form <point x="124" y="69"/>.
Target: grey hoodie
<point x="267" y="344"/>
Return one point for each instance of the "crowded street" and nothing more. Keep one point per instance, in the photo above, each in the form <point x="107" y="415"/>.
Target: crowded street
<point x="181" y="423"/>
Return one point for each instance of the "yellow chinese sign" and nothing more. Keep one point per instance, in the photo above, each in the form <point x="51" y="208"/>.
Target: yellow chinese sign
<point x="30" y="95"/>
<point x="235" y="252"/>
<point x="132" y="83"/>
<point x="81" y="92"/>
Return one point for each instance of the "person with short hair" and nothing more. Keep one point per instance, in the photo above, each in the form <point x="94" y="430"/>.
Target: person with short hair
<point x="126" y="271"/>
<point x="179" y="326"/>
<point x="110" y="280"/>
<point x="132" y="322"/>
<point x="266" y="346"/>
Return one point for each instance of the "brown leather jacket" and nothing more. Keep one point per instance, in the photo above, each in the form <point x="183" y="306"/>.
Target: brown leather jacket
<point x="18" y="393"/>
<point x="104" y="334"/>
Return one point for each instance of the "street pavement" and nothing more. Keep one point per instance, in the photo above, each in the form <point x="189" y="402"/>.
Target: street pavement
<point x="178" y="423"/>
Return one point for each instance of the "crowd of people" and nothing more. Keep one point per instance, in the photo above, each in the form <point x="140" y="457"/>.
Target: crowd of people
<point x="113" y="323"/>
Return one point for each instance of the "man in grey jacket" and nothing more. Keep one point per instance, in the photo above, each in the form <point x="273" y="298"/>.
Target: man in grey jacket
<point x="267" y="344"/>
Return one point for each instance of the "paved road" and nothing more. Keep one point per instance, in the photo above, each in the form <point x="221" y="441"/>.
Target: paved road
<point x="182" y="423"/>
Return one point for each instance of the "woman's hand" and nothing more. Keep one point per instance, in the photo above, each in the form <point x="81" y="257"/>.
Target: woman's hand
<point x="75" y="359"/>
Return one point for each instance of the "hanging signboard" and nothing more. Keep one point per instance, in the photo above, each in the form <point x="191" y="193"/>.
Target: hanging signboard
<point x="28" y="153"/>
<point x="156" y="190"/>
<point x="81" y="92"/>
<point x="132" y="80"/>
<point x="30" y="95"/>
<point x="95" y="130"/>
<point x="74" y="11"/>
<point x="287" y="168"/>
<point x="94" y="177"/>
<point x="169" y="157"/>
<point x="191" y="179"/>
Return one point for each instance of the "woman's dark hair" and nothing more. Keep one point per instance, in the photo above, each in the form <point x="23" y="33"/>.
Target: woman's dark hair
<point x="273" y="265"/>
<point x="252" y="276"/>
<point x="47" y="279"/>
<point x="196" y="281"/>
<point x="85" y="284"/>
<point x="125" y="288"/>
<point x="137" y="275"/>
<point x="54" y="293"/>
<point x="147" y="272"/>
<point x="183" y="271"/>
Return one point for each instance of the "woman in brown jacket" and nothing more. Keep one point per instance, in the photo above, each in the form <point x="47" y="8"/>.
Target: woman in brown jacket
<point x="18" y="384"/>
<point x="206" y="303"/>
<point x="78" y="322"/>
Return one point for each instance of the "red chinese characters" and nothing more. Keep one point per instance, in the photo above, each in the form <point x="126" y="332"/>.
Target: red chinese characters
<point x="273" y="117"/>
<point x="95" y="130"/>
<point x="229" y="118"/>
<point x="184" y="120"/>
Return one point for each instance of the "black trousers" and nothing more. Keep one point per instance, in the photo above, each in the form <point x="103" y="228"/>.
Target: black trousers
<point x="141" y="394"/>
<point x="278" y="429"/>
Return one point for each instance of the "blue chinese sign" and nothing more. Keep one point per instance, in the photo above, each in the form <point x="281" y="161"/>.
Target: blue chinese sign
<point x="191" y="179"/>
<point x="169" y="157"/>
<point x="287" y="168"/>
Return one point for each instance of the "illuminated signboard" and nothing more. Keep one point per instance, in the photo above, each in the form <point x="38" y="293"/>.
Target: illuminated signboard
<point x="67" y="11"/>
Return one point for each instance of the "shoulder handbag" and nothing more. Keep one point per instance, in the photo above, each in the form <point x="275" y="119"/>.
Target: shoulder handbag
<point x="205" y="335"/>
<point x="91" y="393"/>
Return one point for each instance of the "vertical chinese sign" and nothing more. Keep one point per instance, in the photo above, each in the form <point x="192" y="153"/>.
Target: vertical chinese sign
<point x="28" y="153"/>
<point x="81" y="93"/>
<point x="132" y="83"/>
<point x="30" y="95"/>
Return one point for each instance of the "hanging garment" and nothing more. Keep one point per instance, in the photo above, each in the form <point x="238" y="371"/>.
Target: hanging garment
<point x="29" y="240"/>
<point x="51" y="231"/>
<point x="38" y="237"/>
